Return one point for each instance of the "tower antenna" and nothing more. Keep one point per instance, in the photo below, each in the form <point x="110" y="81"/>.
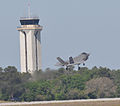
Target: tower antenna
<point x="29" y="9"/>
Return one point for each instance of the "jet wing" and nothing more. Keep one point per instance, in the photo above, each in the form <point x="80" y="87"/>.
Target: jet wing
<point x="81" y="58"/>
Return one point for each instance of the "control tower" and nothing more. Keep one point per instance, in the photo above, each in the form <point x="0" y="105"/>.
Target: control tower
<point x="30" y="44"/>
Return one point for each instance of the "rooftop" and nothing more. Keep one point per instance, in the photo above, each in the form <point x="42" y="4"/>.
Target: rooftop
<point x="29" y="18"/>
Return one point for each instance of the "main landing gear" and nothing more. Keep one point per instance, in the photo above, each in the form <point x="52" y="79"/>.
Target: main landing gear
<point x="66" y="68"/>
<point x="83" y="64"/>
<point x="78" y="67"/>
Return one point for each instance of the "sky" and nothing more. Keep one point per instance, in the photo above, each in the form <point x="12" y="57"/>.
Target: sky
<point x="70" y="27"/>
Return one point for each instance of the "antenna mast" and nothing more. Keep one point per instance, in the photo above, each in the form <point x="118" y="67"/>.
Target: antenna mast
<point x="29" y="9"/>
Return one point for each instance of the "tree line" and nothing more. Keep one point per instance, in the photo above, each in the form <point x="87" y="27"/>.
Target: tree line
<point x="59" y="84"/>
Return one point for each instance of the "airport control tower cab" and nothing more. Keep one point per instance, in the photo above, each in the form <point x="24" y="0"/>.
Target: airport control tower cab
<point x="30" y="44"/>
<point x="29" y="21"/>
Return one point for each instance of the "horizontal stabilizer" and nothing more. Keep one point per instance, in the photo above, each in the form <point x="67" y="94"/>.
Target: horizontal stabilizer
<point x="61" y="61"/>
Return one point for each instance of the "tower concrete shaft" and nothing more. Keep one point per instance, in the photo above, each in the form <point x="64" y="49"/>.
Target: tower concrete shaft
<point x="30" y="45"/>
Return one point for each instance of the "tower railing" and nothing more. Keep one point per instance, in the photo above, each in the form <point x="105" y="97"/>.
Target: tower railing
<point x="32" y="17"/>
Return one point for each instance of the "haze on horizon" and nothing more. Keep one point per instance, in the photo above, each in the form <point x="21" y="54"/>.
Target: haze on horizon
<point x="69" y="28"/>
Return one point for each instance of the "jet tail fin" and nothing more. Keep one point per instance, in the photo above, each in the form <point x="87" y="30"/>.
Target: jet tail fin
<point x="61" y="60"/>
<point x="71" y="61"/>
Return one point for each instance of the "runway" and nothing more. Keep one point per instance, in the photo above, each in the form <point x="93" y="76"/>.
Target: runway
<point x="61" y="101"/>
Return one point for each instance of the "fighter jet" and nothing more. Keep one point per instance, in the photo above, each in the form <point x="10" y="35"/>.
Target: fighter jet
<point x="80" y="59"/>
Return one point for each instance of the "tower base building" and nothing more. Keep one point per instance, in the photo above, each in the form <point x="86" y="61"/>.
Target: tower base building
<point x="30" y="44"/>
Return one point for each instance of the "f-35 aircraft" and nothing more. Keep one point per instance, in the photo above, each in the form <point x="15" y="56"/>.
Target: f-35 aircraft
<point x="80" y="59"/>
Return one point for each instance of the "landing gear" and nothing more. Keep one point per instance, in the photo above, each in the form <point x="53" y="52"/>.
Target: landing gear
<point x="83" y="64"/>
<point x="66" y="68"/>
<point x="78" y="68"/>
